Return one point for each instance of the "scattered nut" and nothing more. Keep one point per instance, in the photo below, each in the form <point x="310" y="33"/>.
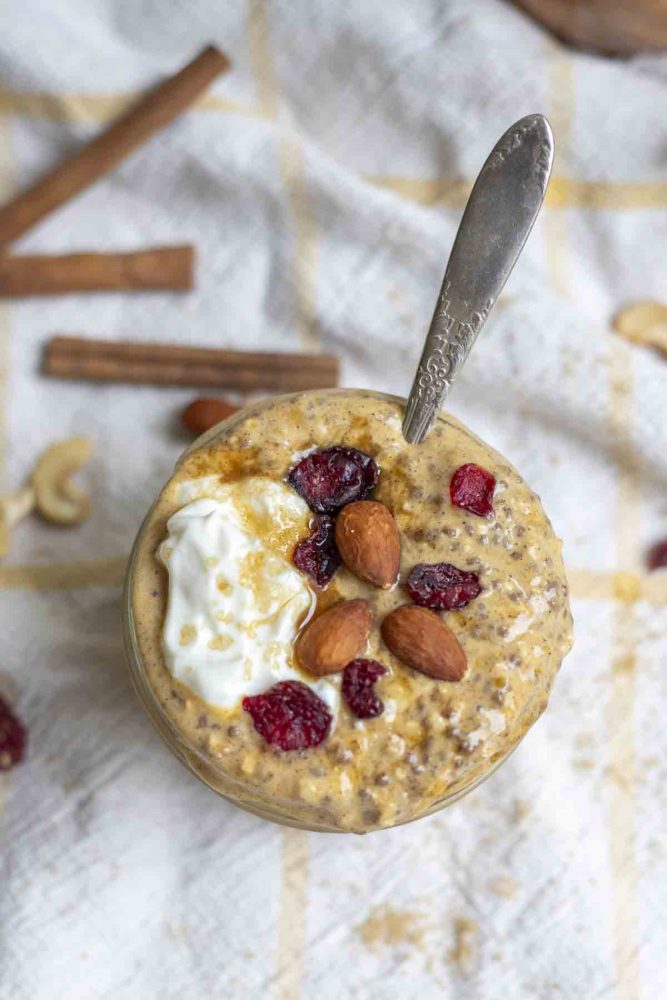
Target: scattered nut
<point x="206" y="412"/>
<point x="13" y="508"/>
<point x="57" y="497"/>
<point x="644" y="323"/>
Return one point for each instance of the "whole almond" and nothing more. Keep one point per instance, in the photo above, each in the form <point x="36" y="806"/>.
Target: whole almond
<point x="206" y="412"/>
<point x="368" y="541"/>
<point x="421" y="640"/>
<point x="330" y="641"/>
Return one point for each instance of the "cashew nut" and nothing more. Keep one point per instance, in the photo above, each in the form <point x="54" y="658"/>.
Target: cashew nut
<point x="644" y="323"/>
<point x="13" y="508"/>
<point x="57" y="497"/>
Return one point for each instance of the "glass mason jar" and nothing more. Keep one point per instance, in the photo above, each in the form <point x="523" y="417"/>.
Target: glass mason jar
<point x="198" y="762"/>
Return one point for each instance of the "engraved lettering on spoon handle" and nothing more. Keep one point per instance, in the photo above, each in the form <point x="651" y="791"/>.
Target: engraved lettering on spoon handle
<point x="500" y="213"/>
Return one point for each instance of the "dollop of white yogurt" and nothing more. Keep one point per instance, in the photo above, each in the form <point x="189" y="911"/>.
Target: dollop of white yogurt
<point x="235" y="602"/>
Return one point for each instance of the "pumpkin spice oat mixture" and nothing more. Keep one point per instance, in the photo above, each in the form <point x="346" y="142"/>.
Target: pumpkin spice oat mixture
<point x="344" y="627"/>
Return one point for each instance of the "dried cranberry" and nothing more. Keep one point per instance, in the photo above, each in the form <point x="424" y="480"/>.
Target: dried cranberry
<point x="13" y="737"/>
<point x="329" y="479"/>
<point x="656" y="557"/>
<point x="471" y="488"/>
<point x="359" y="679"/>
<point x="318" y="555"/>
<point x="442" y="586"/>
<point x="289" y="715"/>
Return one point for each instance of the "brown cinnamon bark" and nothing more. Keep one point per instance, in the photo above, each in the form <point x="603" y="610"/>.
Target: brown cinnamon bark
<point x="100" y="156"/>
<point x="604" y="25"/>
<point x="168" y="268"/>
<point x="166" y="364"/>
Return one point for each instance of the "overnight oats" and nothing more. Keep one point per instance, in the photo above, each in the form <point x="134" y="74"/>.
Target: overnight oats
<point x="339" y="630"/>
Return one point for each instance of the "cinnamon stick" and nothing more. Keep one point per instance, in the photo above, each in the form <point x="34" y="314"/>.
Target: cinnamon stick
<point x="100" y="156"/>
<point x="175" y="365"/>
<point x="167" y="268"/>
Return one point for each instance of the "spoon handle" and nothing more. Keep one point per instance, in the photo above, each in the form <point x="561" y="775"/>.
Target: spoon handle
<point x="500" y="213"/>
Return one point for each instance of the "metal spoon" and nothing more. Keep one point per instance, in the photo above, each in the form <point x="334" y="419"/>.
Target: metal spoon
<point x="500" y="213"/>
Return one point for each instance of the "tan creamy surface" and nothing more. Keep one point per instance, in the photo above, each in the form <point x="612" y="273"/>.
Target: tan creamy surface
<point x="435" y="737"/>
